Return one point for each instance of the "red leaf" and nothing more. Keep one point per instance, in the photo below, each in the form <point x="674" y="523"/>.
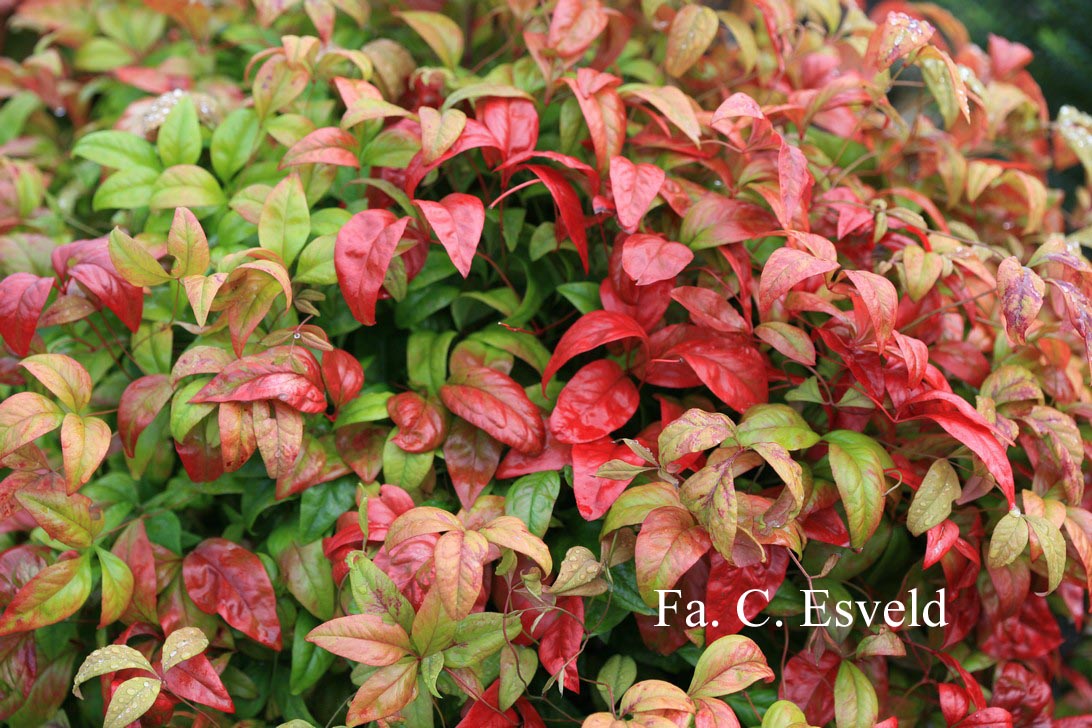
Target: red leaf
<point x="141" y="401"/>
<point x="595" y="495"/>
<point x="1021" y="293"/>
<point x="880" y="300"/>
<point x="966" y="425"/>
<point x="421" y="425"/>
<point x="280" y="435"/>
<point x="360" y="445"/>
<point x="458" y="221"/>
<point x="795" y="184"/>
<point x="471" y="456"/>
<point x="603" y="111"/>
<point x="343" y="376"/>
<point x="736" y="373"/>
<point x="197" y="681"/>
<point x="554" y="456"/>
<point x="88" y="263"/>
<point x="568" y="204"/>
<point x="513" y="122"/>
<point x="591" y="330"/>
<point x="363" y="252"/>
<point x="559" y="646"/>
<point x="288" y="374"/>
<point x="133" y="547"/>
<point x="939" y="541"/>
<point x="22" y="298"/>
<point x="809" y="682"/>
<point x="599" y="399"/>
<point x="634" y="187"/>
<point x="492" y="401"/>
<point x="953" y="702"/>
<point x="574" y="25"/>
<point x="329" y="145"/>
<point x="651" y="259"/>
<point x="987" y="718"/>
<point x="669" y="543"/>
<point x="728" y="583"/>
<point x="784" y="269"/>
<point x="224" y="578"/>
<point x="710" y="310"/>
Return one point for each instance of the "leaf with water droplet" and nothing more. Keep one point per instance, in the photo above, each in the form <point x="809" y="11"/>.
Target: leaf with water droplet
<point x="109" y="659"/>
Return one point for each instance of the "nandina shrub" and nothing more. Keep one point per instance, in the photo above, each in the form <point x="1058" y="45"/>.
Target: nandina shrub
<point x="425" y="351"/>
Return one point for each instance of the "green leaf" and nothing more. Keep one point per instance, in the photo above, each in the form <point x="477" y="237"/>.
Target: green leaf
<point x="179" y="139"/>
<point x="426" y="359"/>
<point x="66" y="518"/>
<point x="126" y="189"/>
<point x="443" y="35"/>
<point x="405" y="469"/>
<point x="133" y="260"/>
<point x="531" y="499"/>
<point x="111" y="658"/>
<point x="777" y="423"/>
<point x="182" y="644"/>
<point x="321" y="505"/>
<point x="727" y="666"/>
<point x="307" y="574"/>
<point x="309" y="662"/>
<point x="615" y="678"/>
<point x="479" y="637"/>
<point x="285" y="221"/>
<point x="1052" y="544"/>
<point x="118" y="149"/>
<point x="1009" y="538"/>
<point x="932" y="503"/>
<point x="375" y="593"/>
<point x="855" y="703"/>
<point x="316" y="262"/>
<point x="234" y="142"/>
<point x="117" y="587"/>
<point x="518" y="666"/>
<point x="131" y="700"/>
<point x="186" y="186"/>
<point x="858" y="463"/>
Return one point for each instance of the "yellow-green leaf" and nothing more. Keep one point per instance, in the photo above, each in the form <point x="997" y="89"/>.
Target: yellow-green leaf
<point x="443" y="35"/>
<point x="1010" y="536"/>
<point x="133" y="261"/>
<point x="131" y="700"/>
<point x="106" y="660"/>
<point x="855" y="702"/>
<point x="933" y="501"/>
<point x="692" y="30"/>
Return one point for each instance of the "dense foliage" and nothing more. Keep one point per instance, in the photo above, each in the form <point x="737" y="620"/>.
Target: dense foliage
<point x="416" y="351"/>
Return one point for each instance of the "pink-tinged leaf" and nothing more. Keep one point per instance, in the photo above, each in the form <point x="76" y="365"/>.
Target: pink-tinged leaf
<point x="238" y="441"/>
<point x="64" y="517"/>
<point x="351" y="89"/>
<point x="795" y="183"/>
<point x="809" y="682"/>
<point x="187" y="244"/>
<point x="560" y="642"/>
<point x="197" y="681"/>
<point x="471" y="456"/>
<point x="784" y="269"/>
<point x="492" y="401"/>
<point x="55" y="593"/>
<point x="715" y="220"/>
<point x="62" y="375"/>
<point x="1021" y="292"/>
<point x="599" y="399"/>
<point x="669" y="543"/>
<point x="709" y="309"/>
<point x="224" y="578"/>
<point x="460" y="566"/>
<point x="568" y="205"/>
<point x="896" y="37"/>
<point x="288" y="374"/>
<point x="280" y="435"/>
<point x="603" y="111"/>
<point x="361" y="447"/>
<point x="715" y="714"/>
<point x="422" y="423"/>
<point x="201" y="290"/>
<point x="650" y="258"/>
<point x="328" y="145"/>
<point x="735" y="372"/>
<point x="363" y="638"/>
<point x="634" y="187"/>
<point x="343" y="376"/>
<point x="439" y="131"/>
<point x="595" y="495"/>
<point x="574" y="25"/>
<point x="791" y="341"/>
<point x="141" y="401"/>
<point x="84" y="442"/>
<point x="458" y="221"/>
<point x="966" y="425"/>
<point x="939" y="541"/>
<point x="728" y="665"/>
<point x="591" y="330"/>
<point x="737" y="105"/>
<point x="88" y="263"/>
<point x="880" y="300"/>
<point x="363" y="252"/>
<point x="22" y="298"/>
<point x="24" y="417"/>
<point x="513" y="122"/>
<point x="384" y="693"/>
